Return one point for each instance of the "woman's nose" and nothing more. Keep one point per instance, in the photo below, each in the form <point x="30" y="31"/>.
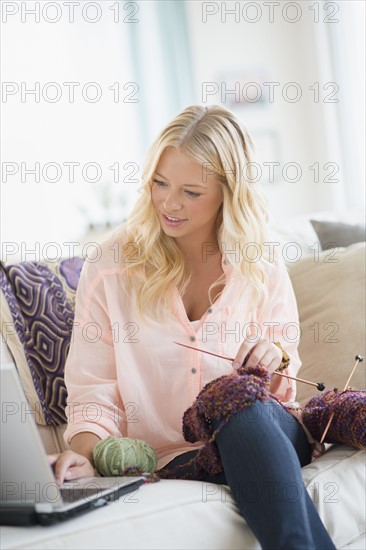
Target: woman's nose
<point x="172" y="202"/>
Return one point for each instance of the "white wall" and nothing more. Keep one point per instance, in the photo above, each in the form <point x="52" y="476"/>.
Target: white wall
<point x="306" y="132"/>
<point x="103" y="132"/>
<point x="283" y="52"/>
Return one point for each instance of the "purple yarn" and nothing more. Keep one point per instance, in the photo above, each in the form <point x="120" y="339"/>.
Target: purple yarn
<point x="348" y="425"/>
<point x="220" y="399"/>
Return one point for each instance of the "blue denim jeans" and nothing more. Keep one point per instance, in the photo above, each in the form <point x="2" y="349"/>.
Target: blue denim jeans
<point x="262" y="450"/>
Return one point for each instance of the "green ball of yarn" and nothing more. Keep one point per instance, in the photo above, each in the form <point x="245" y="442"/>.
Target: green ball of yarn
<point x="117" y="456"/>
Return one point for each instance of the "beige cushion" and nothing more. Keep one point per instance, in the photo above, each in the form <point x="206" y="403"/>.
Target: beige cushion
<point x="52" y="438"/>
<point x="330" y="294"/>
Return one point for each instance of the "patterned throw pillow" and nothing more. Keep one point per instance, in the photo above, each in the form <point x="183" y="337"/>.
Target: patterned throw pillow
<point x="37" y="307"/>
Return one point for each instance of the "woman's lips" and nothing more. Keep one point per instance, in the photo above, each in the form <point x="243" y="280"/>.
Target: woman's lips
<point x="170" y="222"/>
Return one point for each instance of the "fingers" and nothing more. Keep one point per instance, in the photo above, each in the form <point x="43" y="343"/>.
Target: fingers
<point x="262" y="352"/>
<point x="250" y="353"/>
<point x="86" y="470"/>
<point x="273" y="366"/>
<point x="69" y="465"/>
<point x="272" y="358"/>
<point x="62" y="465"/>
<point x="52" y="459"/>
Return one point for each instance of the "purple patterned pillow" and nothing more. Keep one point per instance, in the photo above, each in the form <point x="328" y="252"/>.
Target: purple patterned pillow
<point x="41" y="299"/>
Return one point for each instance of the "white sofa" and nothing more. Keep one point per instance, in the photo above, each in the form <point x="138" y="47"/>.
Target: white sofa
<point x="176" y="514"/>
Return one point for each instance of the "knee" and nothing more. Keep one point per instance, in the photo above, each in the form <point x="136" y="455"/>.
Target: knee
<point x="251" y="418"/>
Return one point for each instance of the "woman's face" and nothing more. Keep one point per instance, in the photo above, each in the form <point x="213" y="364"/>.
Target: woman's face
<point x="183" y="190"/>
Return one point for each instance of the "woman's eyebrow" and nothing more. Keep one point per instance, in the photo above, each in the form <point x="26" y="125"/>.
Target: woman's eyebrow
<point x="186" y="184"/>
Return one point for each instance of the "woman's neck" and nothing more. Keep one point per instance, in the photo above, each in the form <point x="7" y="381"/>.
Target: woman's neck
<point x="201" y="253"/>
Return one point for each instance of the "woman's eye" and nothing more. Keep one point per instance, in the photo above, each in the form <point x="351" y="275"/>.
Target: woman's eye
<point x="192" y="194"/>
<point x="159" y="183"/>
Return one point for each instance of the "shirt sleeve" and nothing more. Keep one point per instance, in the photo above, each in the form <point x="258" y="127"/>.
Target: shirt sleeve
<point x="279" y="322"/>
<point x="94" y="402"/>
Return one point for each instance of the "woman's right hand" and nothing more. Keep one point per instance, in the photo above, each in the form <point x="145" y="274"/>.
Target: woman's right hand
<point x="70" y="465"/>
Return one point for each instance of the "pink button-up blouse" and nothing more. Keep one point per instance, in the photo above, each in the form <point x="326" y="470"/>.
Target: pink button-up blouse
<point x="126" y="377"/>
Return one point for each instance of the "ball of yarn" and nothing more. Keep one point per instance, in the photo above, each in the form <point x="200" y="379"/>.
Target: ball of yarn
<point x="115" y="456"/>
<point x="348" y="425"/>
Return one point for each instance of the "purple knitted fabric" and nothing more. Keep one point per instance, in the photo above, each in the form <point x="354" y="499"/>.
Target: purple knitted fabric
<point x="348" y="425"/>
<point x="220" y="399"/>
<point x="230" y="394"/>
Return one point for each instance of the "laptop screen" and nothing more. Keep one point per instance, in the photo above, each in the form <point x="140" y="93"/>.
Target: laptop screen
<point x="26" y="475"/>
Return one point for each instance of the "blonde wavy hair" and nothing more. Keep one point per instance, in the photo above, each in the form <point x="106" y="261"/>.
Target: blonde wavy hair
<point x="215" y="137"/>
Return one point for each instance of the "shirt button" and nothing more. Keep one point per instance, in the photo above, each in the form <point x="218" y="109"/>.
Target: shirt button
<point x="193" y="371"/>
<point x="192" y="338"/>
<point x="210" y="310"/>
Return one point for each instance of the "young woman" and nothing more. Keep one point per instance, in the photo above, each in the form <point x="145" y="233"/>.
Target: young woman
<point x="194" y="263"/>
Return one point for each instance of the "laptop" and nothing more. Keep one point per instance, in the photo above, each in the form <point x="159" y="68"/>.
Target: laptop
<point x="29" y="493"/>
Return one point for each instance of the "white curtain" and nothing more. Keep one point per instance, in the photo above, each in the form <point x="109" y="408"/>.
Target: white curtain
<point x="161" y="58"/>
<point x="347" y="44"/>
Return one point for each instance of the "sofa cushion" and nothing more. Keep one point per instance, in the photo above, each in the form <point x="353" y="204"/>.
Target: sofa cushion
<point x="330" y="293"/>
<point x="332" y="234"/>
<point x="183" y="514"/>
<point x="37" y="306"/>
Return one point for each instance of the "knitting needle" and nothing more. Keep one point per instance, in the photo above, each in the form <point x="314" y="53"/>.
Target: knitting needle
<point x="359" y="359"/>
<point x="204" y="351"/>
<point x="319" y="385"/>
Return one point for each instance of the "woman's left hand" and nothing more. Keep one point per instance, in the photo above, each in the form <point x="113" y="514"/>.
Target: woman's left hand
<point x="263" y="352"/>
